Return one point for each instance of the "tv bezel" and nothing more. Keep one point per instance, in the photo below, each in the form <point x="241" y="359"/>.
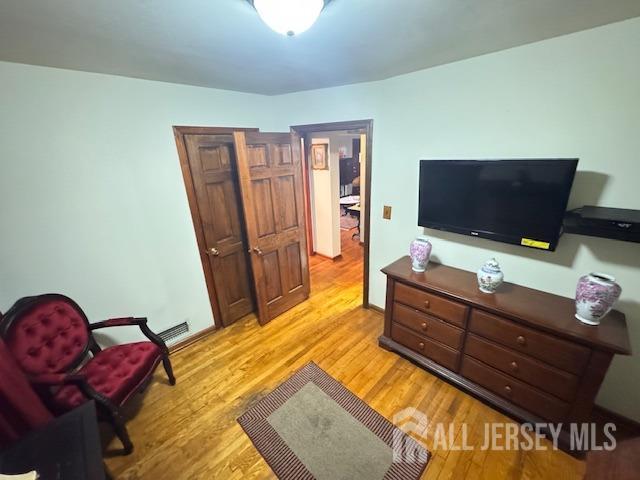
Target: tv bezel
<point x="495" y="236"/>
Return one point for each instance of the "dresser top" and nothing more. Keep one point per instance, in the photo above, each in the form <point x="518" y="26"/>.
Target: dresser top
<point x="535" y="308"/>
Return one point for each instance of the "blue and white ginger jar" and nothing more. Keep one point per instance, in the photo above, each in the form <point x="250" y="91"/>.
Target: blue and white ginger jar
<point x="490" y="276"/>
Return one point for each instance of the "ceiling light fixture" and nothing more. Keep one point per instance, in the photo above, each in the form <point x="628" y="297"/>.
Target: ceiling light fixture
<point x="289" y="17"/>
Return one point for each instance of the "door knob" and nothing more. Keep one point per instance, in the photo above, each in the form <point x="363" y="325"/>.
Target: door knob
<point x="257" y="250"/>
<point x="213" y="251"/>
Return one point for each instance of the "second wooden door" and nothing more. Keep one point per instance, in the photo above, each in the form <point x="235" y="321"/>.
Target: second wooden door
<point x="270" y="171"/>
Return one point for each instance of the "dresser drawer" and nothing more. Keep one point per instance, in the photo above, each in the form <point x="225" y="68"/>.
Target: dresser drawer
<point x="445" y="356"/>
<point x="534" y="372"/>
<point x="428" y="326"/>
<point x="554" y="351"/>
<point x="448" y="310"/>
<point x="519" y="393"/>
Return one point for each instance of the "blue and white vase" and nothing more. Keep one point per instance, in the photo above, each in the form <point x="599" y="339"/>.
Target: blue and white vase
<point x="490" y="276"/>
<point x="420" y="251"/>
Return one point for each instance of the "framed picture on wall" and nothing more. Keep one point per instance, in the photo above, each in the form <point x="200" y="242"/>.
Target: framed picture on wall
<point x="319" y="154"/>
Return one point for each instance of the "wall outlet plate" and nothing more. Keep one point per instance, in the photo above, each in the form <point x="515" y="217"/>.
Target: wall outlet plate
<point x="386" y="212"/>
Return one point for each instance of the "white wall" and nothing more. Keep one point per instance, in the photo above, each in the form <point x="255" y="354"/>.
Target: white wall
<point x="573" y="96"/>
<point x="92" y="199"/>
<point x="323" y="190"/>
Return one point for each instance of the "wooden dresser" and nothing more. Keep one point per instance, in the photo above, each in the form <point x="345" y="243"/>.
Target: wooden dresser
<point x="521" y="350"/>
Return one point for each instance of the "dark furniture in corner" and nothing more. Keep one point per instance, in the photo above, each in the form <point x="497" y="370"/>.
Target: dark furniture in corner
<point x="349" y="171"/>
<point x="520" y="349"/>
<point x="623" y="463"/>
<point x="67" y="448"/>
<point x="52" y="341"/>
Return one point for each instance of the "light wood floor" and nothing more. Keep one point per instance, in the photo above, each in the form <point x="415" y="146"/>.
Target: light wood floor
<point x="190" y="432"/>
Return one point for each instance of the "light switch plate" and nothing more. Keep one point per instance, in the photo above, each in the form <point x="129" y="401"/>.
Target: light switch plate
<point x="386" y="212"/>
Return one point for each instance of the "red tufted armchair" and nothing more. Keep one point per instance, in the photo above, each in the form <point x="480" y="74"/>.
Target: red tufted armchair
<point x="52" y="341"/>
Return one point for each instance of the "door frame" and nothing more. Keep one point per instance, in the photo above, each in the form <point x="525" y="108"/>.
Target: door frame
<point x="366" y="127"/>
<point x="179" y="132"/>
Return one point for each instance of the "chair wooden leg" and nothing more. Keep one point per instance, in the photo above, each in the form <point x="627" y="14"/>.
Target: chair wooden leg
<point x="169" y="369"/>
<point x="122" y="433"/>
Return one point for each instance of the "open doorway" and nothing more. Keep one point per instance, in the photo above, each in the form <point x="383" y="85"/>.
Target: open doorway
<point x="337" y="179"/>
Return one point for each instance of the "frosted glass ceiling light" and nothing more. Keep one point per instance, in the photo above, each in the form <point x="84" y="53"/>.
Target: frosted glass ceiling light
<point x="289" y="17"/>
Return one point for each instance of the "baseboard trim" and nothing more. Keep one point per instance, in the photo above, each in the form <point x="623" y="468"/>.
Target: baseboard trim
<point x="337" y="257"/>
<point x="375" y="308"/>
<point x="182" y="344"/>
<point x="604" y="415"/>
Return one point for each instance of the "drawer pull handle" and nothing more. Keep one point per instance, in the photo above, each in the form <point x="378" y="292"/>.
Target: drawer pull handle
<point x="426" y="304"/>
<point x="507" y="389"/>
<point x="421" y="346"/>
<point x="514" y="366"/>
<point x="424" y="325"/>
<point x="521" y="340"/>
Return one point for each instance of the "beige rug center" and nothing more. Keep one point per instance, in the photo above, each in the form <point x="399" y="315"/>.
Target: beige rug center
<point x="330" y="442"/>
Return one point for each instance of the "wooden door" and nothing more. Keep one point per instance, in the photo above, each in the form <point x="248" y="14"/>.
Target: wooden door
<point x="213" y="170"/>
<point x="270" y="170"/>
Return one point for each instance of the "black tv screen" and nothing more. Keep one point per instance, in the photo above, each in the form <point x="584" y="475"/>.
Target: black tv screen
<point x="514" y="201"/>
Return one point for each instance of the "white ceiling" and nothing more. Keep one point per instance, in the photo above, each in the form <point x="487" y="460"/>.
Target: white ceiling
<point x="224" y="44"/>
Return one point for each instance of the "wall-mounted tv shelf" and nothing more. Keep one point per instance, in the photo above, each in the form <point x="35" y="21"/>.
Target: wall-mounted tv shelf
<point x="616" y="223"/>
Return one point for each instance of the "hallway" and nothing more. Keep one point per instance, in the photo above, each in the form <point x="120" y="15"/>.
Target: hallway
<point x="347" y="270"/>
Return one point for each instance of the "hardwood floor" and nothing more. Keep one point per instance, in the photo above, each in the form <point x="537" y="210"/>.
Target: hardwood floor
<point x="190" y="431"/>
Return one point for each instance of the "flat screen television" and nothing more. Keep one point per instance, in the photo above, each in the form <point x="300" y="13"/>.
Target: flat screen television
<point x="522" y="202"/>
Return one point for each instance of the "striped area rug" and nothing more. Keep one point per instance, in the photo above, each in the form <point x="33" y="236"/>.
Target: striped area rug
<point x="312" y="427"/>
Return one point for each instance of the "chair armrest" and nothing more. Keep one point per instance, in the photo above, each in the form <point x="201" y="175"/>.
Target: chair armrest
<point x="77" y="379"/>
<point x="53" y="379"/>
<point x="128" y="321"/>
<point x="118" y="322"/>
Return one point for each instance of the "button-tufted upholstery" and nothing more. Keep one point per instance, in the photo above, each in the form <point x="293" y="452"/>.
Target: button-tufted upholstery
<point x="52" y="341"/>
<point x="48" y="338"/>
<point x="115" y="372"/>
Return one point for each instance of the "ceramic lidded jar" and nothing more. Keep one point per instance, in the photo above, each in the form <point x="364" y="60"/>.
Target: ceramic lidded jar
<point x="490" y="276"/>
<point x="420" y="251"/>
<point x="595" y="295"/>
